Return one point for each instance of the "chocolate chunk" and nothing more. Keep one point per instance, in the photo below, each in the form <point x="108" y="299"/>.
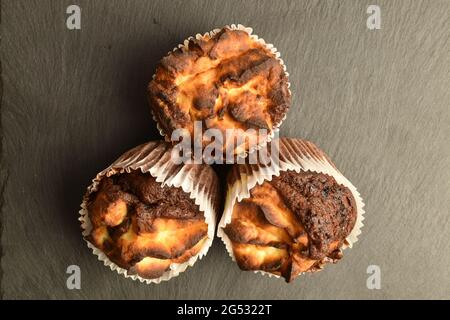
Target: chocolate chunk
<point x="238" y="112"/>
<point x="116" y="232"/>
<point x="205" y="100"/>
<point x="242" y="113"/>
<point x="259" y="123"/>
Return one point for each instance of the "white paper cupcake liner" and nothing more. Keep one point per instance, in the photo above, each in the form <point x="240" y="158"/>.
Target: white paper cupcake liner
<point x="294" y="154"/>
<point x="198" y="180"/>
<point x="269" y="46"/>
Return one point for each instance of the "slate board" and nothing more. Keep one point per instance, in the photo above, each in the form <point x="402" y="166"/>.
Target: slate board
<point x="376" y="101"/>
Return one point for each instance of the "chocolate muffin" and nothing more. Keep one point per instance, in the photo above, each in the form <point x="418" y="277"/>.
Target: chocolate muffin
<point x="292" y="217"/>
<point x="149" y="218"/>
<point x="226" y="79"/>
<point x="292" y="224"/>
<point x="143" y="226"/>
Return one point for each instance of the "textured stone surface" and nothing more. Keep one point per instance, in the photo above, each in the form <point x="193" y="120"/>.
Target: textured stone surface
<point x="376" y="101"/>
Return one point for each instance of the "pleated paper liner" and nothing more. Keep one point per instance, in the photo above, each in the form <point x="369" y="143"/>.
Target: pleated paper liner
<point x="198" y="180"/>
<point x="294" y="154"/>
<point x="184" y="46"/>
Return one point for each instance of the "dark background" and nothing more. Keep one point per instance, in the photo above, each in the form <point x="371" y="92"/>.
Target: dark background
<point x="376" y="101"/>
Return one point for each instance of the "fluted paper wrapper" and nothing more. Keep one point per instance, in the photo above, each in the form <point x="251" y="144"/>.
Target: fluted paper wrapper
<point x="294" y="154"/>
<point x="269" y="46"/>
<point x="199" y="181"/>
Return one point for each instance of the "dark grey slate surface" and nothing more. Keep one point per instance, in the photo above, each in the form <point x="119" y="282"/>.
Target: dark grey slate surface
<point x="376" y="101"/>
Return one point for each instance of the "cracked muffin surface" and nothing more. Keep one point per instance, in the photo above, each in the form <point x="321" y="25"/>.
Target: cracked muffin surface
<point x="225" y="81"/>
<point x="143" y="226"/>
<point x="292" y="224"/>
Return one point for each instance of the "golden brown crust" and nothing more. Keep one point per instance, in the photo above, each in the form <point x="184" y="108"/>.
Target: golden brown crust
<point x="143" y="226"/>
<point x="151" y="268"/>
<point x="292" y="224"/>
<point x="227" y="81"/>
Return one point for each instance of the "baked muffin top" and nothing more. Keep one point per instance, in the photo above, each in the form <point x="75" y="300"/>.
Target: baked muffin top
<point x="143" y="226"/>
<point x="227" y="81"/>
<point x="292" y="224"/>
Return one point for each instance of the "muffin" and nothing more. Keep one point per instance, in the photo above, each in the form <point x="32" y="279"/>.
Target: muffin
<point x="149" y="218"/>
<point x="226" y="79"/>
<point x="292" y="218"/>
